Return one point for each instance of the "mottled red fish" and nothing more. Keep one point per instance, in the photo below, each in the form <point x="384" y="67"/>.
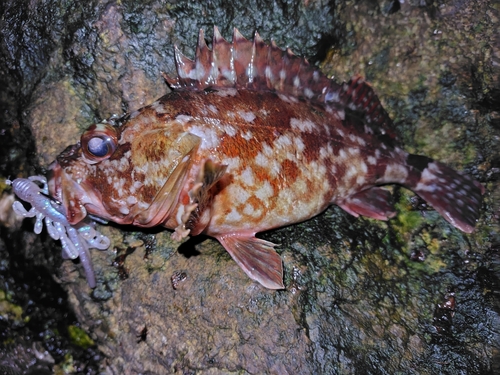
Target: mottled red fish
<point x="251" y="138"/>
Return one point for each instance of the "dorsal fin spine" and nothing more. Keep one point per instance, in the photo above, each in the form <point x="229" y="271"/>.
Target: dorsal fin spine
<point x="202" y="60"/>
<point x="222" y="57"/>
<point x="248" y="64"/>
<point x="255" y="65"/>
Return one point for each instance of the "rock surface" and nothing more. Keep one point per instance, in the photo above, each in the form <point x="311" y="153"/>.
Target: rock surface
<point x="410" y="296"/>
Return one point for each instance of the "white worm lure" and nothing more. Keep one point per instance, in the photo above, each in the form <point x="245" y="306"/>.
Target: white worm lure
<point x="75" y="240"/>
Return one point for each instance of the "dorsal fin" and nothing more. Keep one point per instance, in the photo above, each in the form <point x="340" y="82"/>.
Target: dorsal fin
<point x="358" y="96"/>
<point x="255" y="65"/>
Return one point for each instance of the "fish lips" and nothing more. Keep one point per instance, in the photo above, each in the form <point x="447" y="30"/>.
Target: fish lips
<point x="76" y="199"/>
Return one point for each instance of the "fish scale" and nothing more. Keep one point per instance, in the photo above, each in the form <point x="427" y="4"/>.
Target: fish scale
<point x="251" y="138"/>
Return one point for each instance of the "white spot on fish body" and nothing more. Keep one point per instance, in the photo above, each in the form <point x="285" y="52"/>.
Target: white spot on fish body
<point x="230" y="130"/>
<point x="299" y="144"/>
<point x="265" y="191"/>
<point x="120" y="165"/>
<point x="213" y="109"/>
<point x="318" y="169"/>
<point x="233" y="216"/>
<point x="340" y="114"/>
<point x="424" y="187"/>
<point x="433" y="167"/>
<point x="363" y="167"/>
<point x="230" y="91"/>
<point x="371" y="160"/>
<point x="248" y="210"/>
<point x="395" y="173"/>
<point x="239" y="193"/>
<point x="327" y="129"/>
<point x="158" y="107"/>
<point x="124" y="210"/>
<point x="268" y="150"/>
<point x="247" y="135"/>
<point x="296" y="82"/>
<point x="247" y="176"/>
<point x="209" y="137"/>
<point x="184" y="119"/>
<point x="247" y="116"/>
<point x="324" y="153"/>
<point x="233" y="163"/>
<point x="288" y="99"/>
<point x="261" y="159"/>
<point x="302" y="125"/>
<point x="118" y="186"/>
<point x="353" y="151"/>
<point x="274" y="168"/>
<point x="283" y="141"/>
<point x="427" y="175"/>
<point x="351" y="171"/>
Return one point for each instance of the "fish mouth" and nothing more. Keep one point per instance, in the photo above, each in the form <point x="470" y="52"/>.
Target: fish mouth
<point x="54" y="181"/>
<point x="77" y="200"/>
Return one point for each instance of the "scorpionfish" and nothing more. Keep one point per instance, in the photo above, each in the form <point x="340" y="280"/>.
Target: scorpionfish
<point x="251" y="138"/>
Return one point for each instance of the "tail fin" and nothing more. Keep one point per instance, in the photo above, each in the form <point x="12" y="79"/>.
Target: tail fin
<point x="456" y="197"/>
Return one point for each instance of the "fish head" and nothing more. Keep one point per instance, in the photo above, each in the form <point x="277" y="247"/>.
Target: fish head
<point x="130" y="173"/>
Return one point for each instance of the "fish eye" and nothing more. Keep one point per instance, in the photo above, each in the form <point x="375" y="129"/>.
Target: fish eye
<point x="99" y="146"/>
<point x="99" y="142"/>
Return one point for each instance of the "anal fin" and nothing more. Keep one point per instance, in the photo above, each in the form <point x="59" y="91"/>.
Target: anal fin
<point x="374" y="202"/>
<point x="256" y="257"/>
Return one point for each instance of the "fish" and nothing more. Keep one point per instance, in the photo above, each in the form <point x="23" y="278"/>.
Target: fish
<point x="251" y="138"/>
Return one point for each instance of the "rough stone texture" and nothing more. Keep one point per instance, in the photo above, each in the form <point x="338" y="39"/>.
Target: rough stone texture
<point x="411" y="296"/>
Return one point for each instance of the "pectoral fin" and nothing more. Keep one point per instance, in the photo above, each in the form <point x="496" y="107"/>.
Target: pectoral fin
<point x="196" y="214"/>
<point x="256" y="257"/>
<point x="209" y="176"/>
<point x="166" y="199"/>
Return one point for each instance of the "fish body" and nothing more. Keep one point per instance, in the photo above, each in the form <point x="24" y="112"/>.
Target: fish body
<point x="252" y="138"/>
